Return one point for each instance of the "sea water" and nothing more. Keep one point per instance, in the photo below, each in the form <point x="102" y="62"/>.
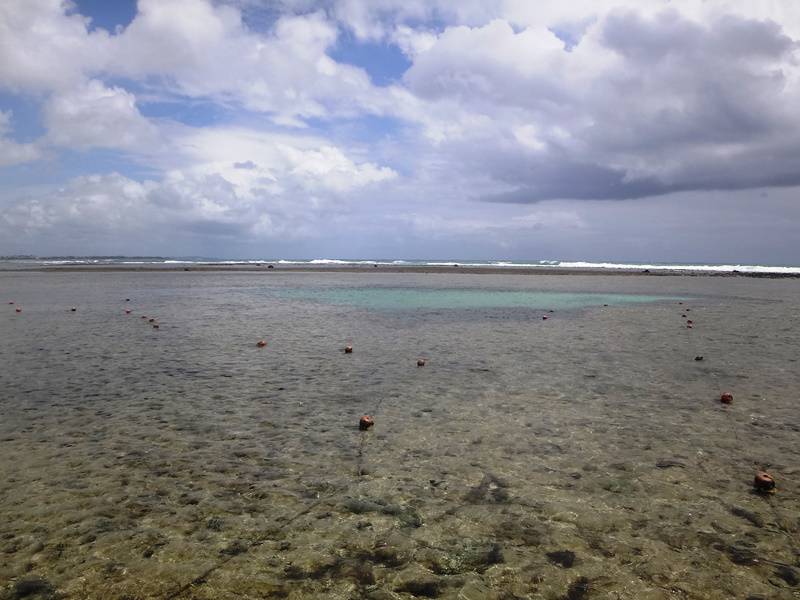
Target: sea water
<point x="582" y="456"/>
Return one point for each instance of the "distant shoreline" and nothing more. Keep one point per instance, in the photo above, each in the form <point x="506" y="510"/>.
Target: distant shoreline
<point x="382" y="268"/>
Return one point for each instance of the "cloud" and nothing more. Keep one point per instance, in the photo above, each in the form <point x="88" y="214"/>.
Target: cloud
<point x="205" y="50"/>
<point x="248" y="164"/>
<point x="93" y="115"/>
<point x="11" y="152"/>
<point x="44" y="46"/>
<point x="274" y="160"/>
<point x="292" y="187"/>
<point x="504" y="105"/>
<point x="640" y="106"/>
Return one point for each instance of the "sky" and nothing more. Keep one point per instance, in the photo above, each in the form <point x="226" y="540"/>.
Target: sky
<point x="603" y="130"/>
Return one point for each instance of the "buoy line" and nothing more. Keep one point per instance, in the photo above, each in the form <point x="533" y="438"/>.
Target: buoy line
<point x="365" y="423"/>
<point x="254" y="543"/>
<point x="763" y="483"/>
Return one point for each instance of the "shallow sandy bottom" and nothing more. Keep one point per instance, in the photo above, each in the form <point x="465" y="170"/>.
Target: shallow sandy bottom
<point x="585" y="456"/>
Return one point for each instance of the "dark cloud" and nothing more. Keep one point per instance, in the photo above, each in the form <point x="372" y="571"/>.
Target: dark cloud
<point x="249" y="164"/>
<point x="674" y="105"/>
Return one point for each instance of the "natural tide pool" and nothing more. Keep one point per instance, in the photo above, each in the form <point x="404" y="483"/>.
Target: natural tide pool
<point x="582" y="457"/>
<point x="437" y="298"/>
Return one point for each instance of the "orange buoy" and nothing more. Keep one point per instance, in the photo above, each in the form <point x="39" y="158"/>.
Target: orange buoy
<point x="348" y="349"/>
<point x="365" y="422"/>
<point x="421" y="362"/>
<point x="764" y="483"/>
<point x="261" y="343"/>
<point x="726" y="398"/>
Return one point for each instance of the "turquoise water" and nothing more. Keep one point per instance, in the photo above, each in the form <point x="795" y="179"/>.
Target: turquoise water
<point x="390" y="298"/>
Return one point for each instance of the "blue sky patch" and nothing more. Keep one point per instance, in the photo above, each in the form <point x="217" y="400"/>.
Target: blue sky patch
<point x="384" y="63"/>
<point x="107" y="14"/>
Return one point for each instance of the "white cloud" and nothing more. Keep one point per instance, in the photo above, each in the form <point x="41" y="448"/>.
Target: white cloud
<point x="11" y="152"/>
<point x="93" y="115"/>
<point x="276" y="161"/>
<point x="203" y="50"/>
<point x="293" y="186"/>
<point x="512" y="101"/>
<point x="42" y="47"/>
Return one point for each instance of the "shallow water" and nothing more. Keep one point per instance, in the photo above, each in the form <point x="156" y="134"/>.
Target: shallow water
<point x="585" y="456"/>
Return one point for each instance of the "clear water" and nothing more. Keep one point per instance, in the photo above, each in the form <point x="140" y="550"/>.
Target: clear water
<point x="392" y="298"/>
<point x="586" y="456"/>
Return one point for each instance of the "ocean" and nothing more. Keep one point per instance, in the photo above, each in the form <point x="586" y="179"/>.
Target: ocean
<point x="19" y="262"/>
<point x="561" y="440"/>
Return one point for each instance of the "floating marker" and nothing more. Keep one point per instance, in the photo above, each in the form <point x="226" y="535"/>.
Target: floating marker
<point x="764" y="483"/>
<point x="348" y="349"/>
<point x="127" y="311"/>
<point x="261" y="343"/>
<point x="421" y="362"/>
<point x="365" y="422"/>
<point x="19" y="310"/>
<point x="726" y="398"/>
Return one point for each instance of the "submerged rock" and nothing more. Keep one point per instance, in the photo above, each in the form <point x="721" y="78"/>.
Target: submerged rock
<point x="562" y="558"/>
<point x="407" y="515"/>
<point x="420" y="584"/>
<point x="788" y="574"/>
<point x="491" y="489"/>
<point x="316" y="566"/>
<point x="33" y="587"/>
<point x="754" y="518"/>
<point x="388" y="554"/>
<point x="738" y="555"/>
<point x="578" y="590"/>
<point x="461" y="560"/>
<point x="234" y="548"/>
<point x="361" y="571"/>
<point x="669" y="463"/>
